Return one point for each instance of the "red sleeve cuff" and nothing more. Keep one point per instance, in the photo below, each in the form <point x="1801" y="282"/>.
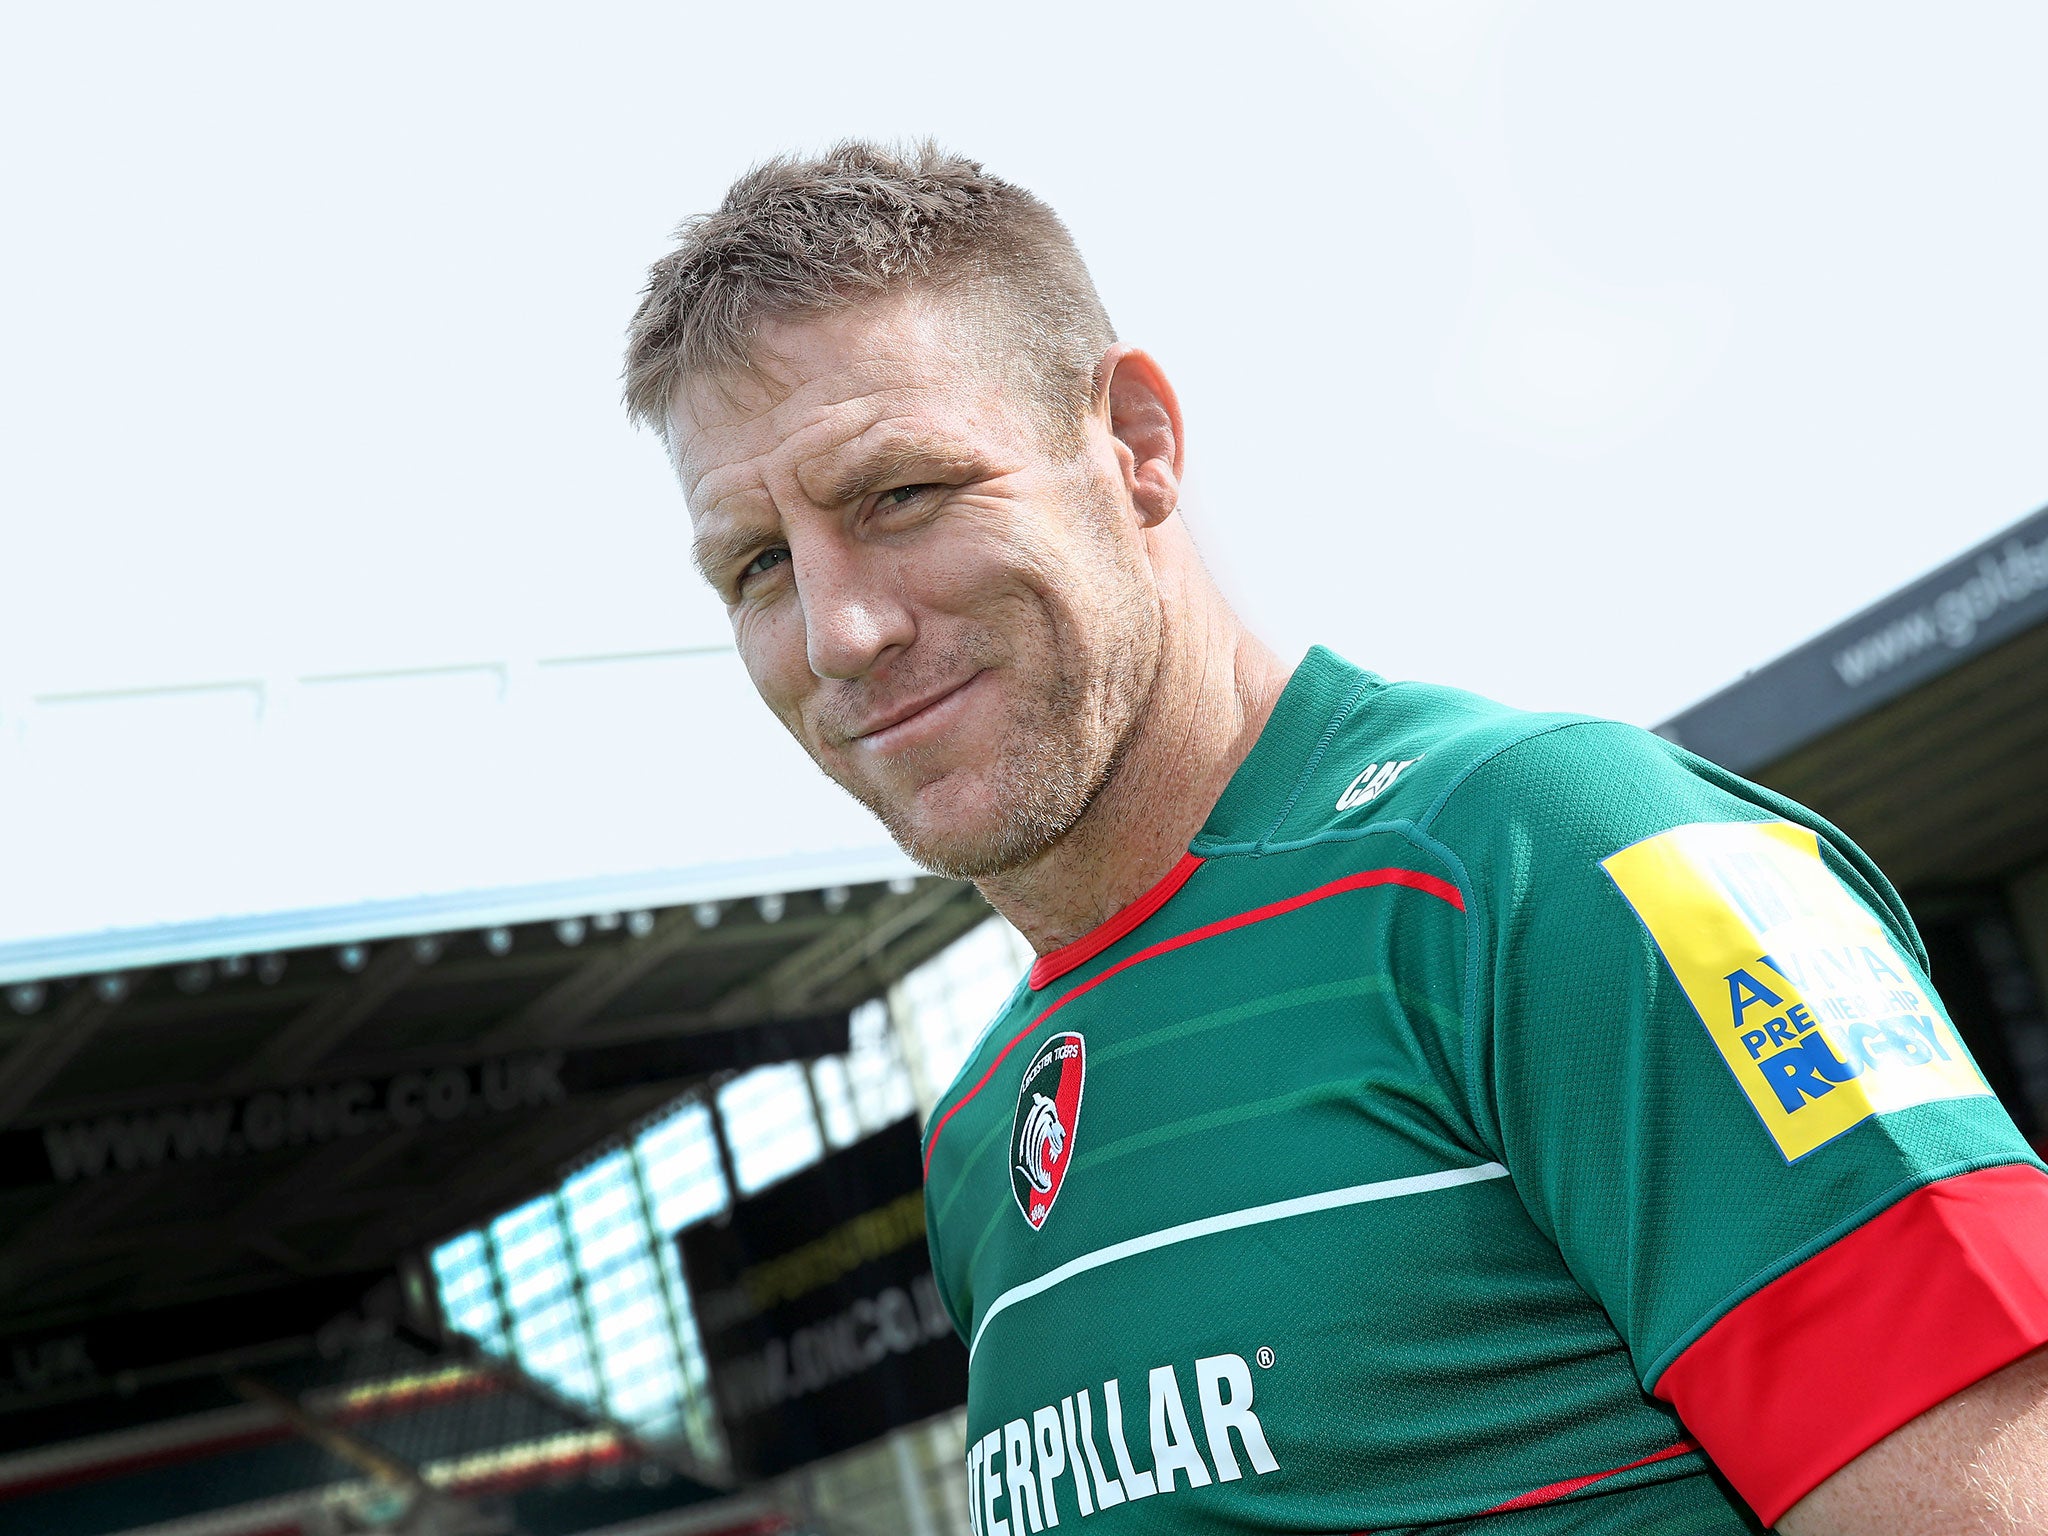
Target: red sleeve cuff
<point x="1916" y="1304"/>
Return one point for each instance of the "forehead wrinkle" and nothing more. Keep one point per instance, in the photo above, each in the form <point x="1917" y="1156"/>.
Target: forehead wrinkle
<point x="755" y="446"/>
<point x="846" y="471"/>
<point x="856" y="381"/>
<point x="759" y="399"/>
<point x="716" y="489"/>
<point x="717" y="412"/>
<point x="770" y="442"/>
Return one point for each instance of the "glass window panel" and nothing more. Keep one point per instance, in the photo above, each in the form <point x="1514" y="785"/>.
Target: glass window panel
<point x="835" y="1100"/>
<point x="551" y="1345"/>
<point x="769" y="1124"/>
<point x="535" y="1284"/>
<point x="625" y="1302"/>
<point x="600" y="1194"/>
<point x="603" y="1206"/>
<point x="874" y="1070"/>
<point x="469" y="1292"/>
<point x="679" y="1160"/>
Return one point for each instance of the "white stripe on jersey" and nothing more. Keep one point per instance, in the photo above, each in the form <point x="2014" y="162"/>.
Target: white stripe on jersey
<point x="1230" y="1221"/>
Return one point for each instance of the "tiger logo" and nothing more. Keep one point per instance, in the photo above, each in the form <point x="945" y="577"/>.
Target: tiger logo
<point x="1040" y="1141"/>
<point x="1047" y="1120"/>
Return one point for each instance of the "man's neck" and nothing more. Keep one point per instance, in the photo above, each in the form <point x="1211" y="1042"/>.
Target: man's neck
<point x="1215" y="687"/>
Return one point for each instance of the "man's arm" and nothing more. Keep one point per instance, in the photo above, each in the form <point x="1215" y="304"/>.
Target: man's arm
<point x="1810" y="1230"/>
<point x="1976" y="1465"/>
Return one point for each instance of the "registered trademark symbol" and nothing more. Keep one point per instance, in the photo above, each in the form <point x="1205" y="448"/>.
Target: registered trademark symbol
<point x="1265" y="1358"/>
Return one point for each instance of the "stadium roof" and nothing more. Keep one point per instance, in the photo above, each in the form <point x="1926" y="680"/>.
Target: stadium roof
<point x="226" y="1125"/>
<point x="1919" y="725"/>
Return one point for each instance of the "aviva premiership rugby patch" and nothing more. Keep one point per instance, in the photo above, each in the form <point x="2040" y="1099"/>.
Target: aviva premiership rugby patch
<point x="1042" y="1135"/>
<point x="1818" y="1015"/>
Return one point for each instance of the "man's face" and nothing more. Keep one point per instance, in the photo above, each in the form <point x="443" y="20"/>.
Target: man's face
<point x="951" y="609"/>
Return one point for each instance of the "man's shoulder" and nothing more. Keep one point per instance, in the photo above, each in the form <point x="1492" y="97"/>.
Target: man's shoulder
<point x="1398" y="754"/>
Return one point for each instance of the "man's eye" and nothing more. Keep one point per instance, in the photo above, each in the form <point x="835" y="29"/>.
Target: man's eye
<point x="903" y="495"/>
<point x="767" y="560"/>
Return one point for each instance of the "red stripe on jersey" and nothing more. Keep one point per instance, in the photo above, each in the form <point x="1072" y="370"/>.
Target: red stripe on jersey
<point x="1443" y="890"/>
<point x="1931" y="1297"/>
<point x="1049" y="968"/>
<point x="1550" y="1493"/>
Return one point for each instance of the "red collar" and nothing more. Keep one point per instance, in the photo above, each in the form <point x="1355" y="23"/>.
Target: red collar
<point x="1049" y="968"/>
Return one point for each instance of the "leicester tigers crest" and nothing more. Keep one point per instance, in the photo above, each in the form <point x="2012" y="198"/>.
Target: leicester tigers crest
<point x="1048" y="1114"/>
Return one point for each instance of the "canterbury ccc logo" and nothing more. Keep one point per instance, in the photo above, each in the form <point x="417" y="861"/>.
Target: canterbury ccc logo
<point x="1042" y="1134"/>
<point x="1375" y="780"/>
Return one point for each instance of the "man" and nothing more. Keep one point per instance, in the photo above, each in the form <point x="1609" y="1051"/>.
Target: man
<point x="1421" y="1114"/>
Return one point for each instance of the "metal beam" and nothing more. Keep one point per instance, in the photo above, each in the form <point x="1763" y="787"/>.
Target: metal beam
<point x="30" y="1067"/>
<point x="341" y="1443"/>
<point x="889" y="962"/>
<point x="793" y="983"/>
<point x="327" y="1021"/>
<point x="583" y="993"/>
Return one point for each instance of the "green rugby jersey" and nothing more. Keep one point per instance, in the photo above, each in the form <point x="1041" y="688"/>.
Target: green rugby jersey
<point x="1498" y="1122"/>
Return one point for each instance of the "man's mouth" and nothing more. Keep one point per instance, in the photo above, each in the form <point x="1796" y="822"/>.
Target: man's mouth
<point x="916" y="720"/>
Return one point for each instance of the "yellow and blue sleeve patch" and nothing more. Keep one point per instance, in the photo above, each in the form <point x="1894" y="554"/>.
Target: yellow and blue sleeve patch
<point x="1818" y="1015"/>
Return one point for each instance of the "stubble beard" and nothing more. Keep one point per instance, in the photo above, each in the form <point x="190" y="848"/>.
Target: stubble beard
<point x="1058" y="749"/>
<point x="1060" y="745"/>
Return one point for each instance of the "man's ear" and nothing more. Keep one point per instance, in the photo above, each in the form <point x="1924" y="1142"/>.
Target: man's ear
<point x="1144" y="421"/>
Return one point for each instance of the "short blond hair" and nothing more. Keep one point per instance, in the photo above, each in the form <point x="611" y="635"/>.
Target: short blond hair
<point x="808" y="236"/>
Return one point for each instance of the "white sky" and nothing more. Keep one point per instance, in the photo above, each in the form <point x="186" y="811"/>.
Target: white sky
<point x="1585" y="355"/>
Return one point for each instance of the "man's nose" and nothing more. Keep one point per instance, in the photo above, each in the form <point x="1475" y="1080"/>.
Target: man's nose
<point x="854" y="613"/>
